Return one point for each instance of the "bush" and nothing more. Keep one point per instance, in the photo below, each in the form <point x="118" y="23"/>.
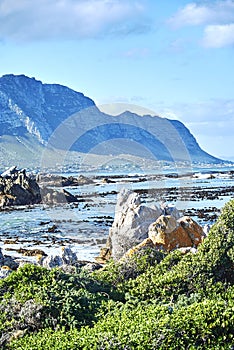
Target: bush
<point x="171" y="301"/>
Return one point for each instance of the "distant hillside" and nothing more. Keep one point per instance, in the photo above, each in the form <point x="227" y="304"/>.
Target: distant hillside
<point x="56" y="117"/>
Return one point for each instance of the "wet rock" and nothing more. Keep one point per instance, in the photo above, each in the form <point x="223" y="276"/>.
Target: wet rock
<point x="52" y="229"/>
<point x="1" y="257"/>
<point x="131" y="222"/>
<point x="16" y="188"/>
<point x="8" y="262"/>
<point x="27" y="252"/>
<point x="106" y="180"/>
<point x="62" y="181"/>
<point x="83" y="180"/>
<point x="51" y="196"/>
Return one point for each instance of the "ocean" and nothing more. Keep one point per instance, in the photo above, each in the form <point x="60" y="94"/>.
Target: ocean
<point x="199" y="192"/>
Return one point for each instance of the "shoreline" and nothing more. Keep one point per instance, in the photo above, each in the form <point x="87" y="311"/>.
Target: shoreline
<point x="85" y="225"/>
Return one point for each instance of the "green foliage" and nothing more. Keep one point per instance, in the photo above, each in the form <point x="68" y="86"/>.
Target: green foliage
<point x="34" y="298"/>
<point x="202" y="325"/>
<point x="171" y="301"/>
<point x="121" y="271"/>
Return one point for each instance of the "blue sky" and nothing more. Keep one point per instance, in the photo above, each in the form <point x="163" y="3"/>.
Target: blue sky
<point x="172" y="57"/>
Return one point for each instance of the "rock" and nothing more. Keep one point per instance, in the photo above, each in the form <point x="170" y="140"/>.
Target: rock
<point x="16" y="188"/>
<point x="5" y="271"/>
<point x="206" y="229"/>
<point x="170" y="209"/>
<point x="105" y="180"/>
<point x="137" y="227"/>
<point x="194" y="230"/>
<point x="185" y="250"/>
<point x="66" y="257"/>
<point x="104" y="255"/>
<point x="147" y="243"/>
<point x="8" y="262"/>
<point x="62" y="181"/>
<point x="91" y="266"/>
<point x="168" y="233"/>
<point x="12" y="170"/>
<point x="1" y="257"/>
<point x="50" y="261"/>
<point x="84" y="180"/>
<point x="51" y="196"/>
<point x="131" y="222"/>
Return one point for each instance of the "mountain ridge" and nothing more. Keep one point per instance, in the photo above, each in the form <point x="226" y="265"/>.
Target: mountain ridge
<point x="57" y="116"/>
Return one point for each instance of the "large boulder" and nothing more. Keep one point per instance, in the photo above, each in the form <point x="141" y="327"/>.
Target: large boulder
<point x="167" y="233"/>
<point x="137" y="227"/>
<point x="16" y="188"/>
<point x="131" y="222"/>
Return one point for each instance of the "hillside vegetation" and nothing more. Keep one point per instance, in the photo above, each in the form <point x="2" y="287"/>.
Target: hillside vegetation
<point x="151" y="301"/>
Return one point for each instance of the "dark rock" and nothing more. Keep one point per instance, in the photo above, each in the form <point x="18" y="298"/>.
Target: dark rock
<point x="62" y="181"/>
<point x="8" y="262"/>
<point x="16" y="188"/>
<point x="51" y="196"/>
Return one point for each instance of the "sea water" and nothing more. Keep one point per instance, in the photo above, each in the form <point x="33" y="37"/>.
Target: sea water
<point x="85" y="225"/>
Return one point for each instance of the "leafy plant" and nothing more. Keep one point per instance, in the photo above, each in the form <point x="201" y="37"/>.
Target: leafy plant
<point x="149" y="301"/>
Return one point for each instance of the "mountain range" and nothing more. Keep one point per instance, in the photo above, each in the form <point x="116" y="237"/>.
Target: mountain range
<point x="36" y="117"/>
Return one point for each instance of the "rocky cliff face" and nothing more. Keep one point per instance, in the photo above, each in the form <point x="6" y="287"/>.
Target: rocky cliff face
<point x="29" y="107"/>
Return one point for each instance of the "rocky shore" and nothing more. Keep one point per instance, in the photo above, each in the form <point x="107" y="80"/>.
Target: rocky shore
<point x="135" y="224"/>
<point x="17" y="188"/>
<point x="136" y="227"/>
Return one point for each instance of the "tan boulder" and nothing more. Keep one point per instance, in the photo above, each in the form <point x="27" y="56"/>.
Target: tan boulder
<point x="167" y="233"/>
<point x="194" y="230"/>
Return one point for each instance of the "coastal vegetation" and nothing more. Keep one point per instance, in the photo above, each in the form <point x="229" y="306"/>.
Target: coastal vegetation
<point x="151" y="300"/>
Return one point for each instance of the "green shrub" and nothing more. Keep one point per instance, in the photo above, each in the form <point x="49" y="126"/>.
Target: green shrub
<point x="171" y="301"/>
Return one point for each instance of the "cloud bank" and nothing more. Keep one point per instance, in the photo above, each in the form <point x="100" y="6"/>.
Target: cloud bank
<point x="217" y="18"/>
<point x="218" y="36"/>
<point x="26" y="20"/>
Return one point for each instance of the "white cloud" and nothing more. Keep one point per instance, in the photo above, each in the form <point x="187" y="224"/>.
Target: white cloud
<point x="216" y="18"/>
<point x="214" y="12"/>
<point x="28" y="20"/>
<point x="216" y="36"/>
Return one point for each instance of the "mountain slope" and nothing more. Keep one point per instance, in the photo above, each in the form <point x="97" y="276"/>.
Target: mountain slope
<point x="27" y="105"/>
<point x="57" y="117"/>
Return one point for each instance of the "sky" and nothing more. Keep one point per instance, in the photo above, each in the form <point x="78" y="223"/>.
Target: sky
<point x="175" y="58"/>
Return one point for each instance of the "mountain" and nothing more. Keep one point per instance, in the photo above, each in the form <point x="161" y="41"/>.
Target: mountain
<point x="38" y="116"/>
<point x="28" y="106"/>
